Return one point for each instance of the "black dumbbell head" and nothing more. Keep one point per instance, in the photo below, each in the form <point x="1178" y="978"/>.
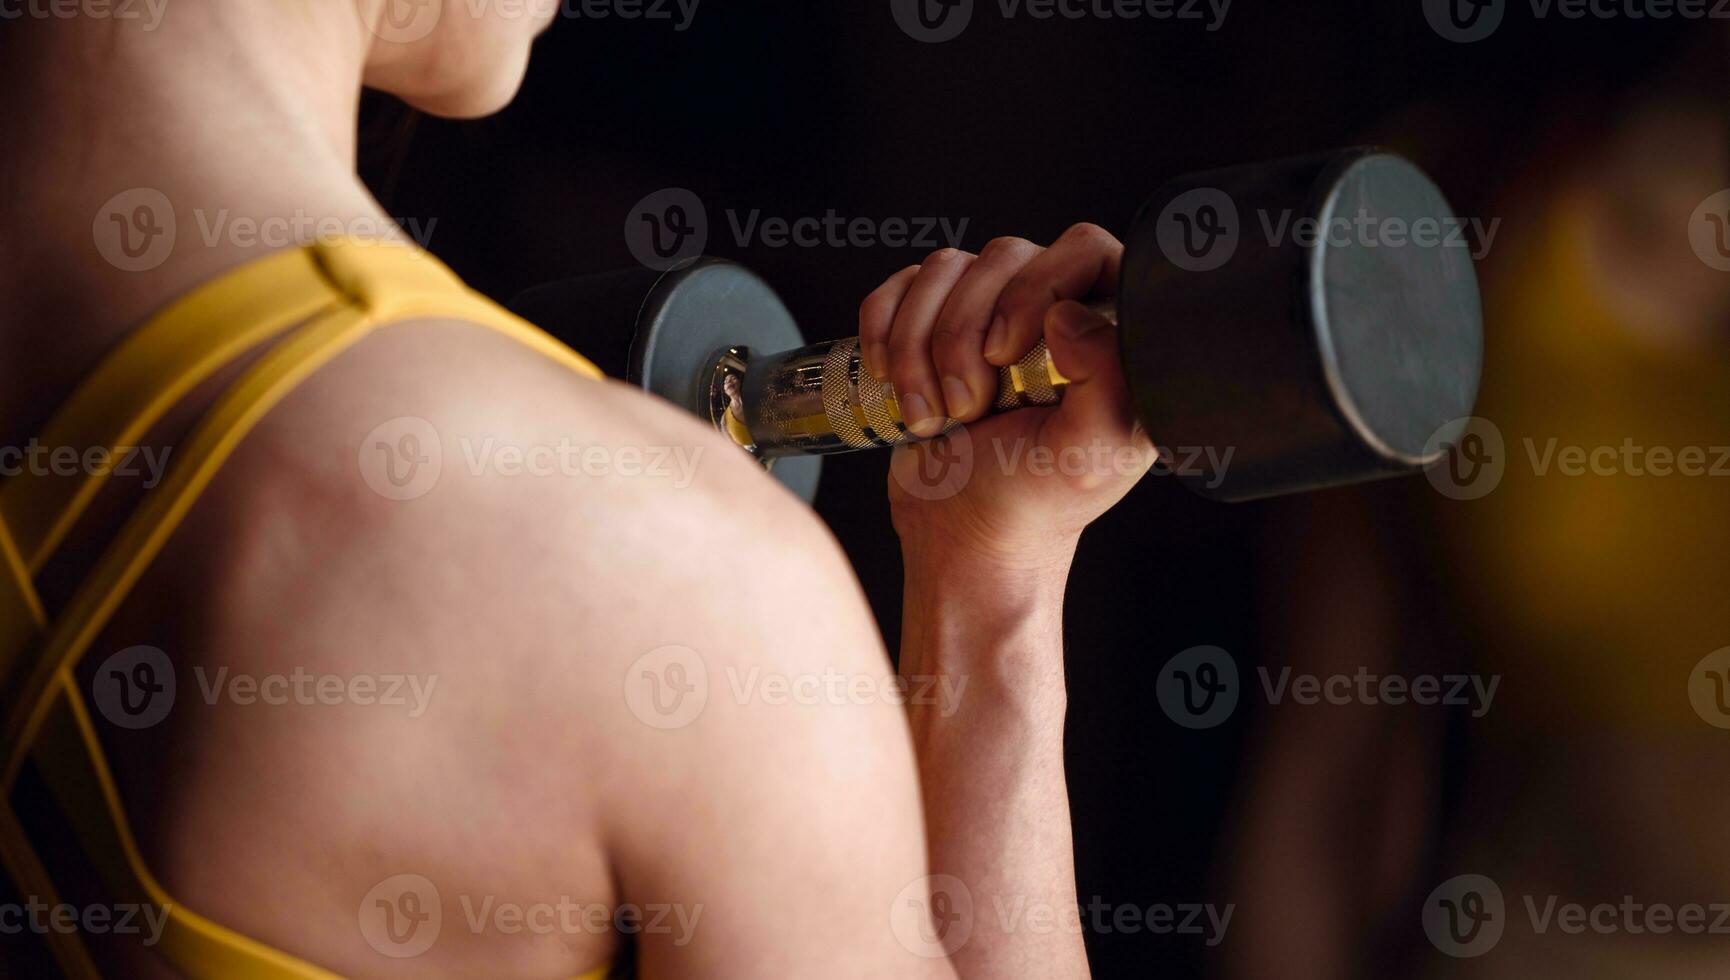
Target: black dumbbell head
<point x="1316" y="319"/>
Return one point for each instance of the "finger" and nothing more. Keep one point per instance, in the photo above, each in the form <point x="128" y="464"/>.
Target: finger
<point x="968" y="383"/>
<point x="910" y="367"/>
<point x="1082" y="262"/>
<point x="876" y="314"/>
<point x="1096" y="409"/>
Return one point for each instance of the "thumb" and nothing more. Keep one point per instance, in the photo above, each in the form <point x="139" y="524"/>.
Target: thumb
<point x="1096" y="406"/>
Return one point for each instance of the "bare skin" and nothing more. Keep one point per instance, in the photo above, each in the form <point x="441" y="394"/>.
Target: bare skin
<point x="790" y="836"/>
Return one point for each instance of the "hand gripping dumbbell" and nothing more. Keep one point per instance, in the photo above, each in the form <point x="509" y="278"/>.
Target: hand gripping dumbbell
<point x="1313" y="317"/>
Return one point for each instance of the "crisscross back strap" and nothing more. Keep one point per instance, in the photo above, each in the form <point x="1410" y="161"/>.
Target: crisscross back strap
<point x="319" y="301"/>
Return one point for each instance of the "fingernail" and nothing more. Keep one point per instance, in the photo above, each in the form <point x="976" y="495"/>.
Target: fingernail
<point x="997" y="339"/>
<point x="916" y="412"/>
<point x="957" y="397"/>
<point x="876" y="360"/>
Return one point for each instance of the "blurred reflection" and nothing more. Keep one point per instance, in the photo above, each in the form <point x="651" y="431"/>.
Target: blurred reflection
<point x="1591" y="573"/>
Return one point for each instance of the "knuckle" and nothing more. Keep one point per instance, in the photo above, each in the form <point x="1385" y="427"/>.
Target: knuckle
<point x="904" y="345"/>
<point x="1004" y="246"/>
<point x="1087" y="233"/>
<point x="944" y="258"/>
<point x="951" y="329"/>
<point x="877" y="309"/>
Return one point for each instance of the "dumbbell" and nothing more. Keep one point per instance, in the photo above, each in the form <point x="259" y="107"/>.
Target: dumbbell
<point x="1257" y="316"/>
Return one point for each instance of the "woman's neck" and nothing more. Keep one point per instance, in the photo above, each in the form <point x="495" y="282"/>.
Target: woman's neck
<point x="147" y="159"/>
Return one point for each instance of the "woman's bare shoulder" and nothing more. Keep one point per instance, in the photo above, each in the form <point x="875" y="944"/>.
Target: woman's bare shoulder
<point x="612" y="619"/>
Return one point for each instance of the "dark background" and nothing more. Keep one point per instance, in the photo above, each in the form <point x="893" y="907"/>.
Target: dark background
<point x="1022" y="127"/>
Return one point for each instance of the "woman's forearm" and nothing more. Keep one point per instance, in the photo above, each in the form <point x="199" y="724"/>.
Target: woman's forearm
<point x="987" y="638"/>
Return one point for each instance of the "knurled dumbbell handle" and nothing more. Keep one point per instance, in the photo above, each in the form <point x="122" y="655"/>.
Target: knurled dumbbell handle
<point x="820" y="399"/>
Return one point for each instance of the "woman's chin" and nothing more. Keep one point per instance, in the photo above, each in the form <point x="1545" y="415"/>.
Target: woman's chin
<point x="472" y="96"/>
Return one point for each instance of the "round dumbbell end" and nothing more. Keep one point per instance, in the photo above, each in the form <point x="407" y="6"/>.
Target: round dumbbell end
<point x="1300" y="324"/>
<point x="1395" y="305"/>
<point x="662" y="331"/>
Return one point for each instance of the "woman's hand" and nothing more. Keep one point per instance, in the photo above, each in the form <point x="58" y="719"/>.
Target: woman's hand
<point x="1015" y="488"/>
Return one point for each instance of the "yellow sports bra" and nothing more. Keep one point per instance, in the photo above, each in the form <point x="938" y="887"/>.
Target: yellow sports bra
<point x="303" y="307"/>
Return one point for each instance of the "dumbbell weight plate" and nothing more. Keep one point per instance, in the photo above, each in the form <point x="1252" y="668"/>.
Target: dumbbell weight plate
<point x="1317" y="354"/>
<point x="662" y="330"/>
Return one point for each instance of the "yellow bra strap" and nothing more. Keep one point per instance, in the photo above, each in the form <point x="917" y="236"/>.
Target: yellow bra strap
<point x="21" y="621"/>
<point x="124" y="398"/>
<point x="383" y="284"/>
<point x="21" y="613"/>
<point x="127" y="394"/>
